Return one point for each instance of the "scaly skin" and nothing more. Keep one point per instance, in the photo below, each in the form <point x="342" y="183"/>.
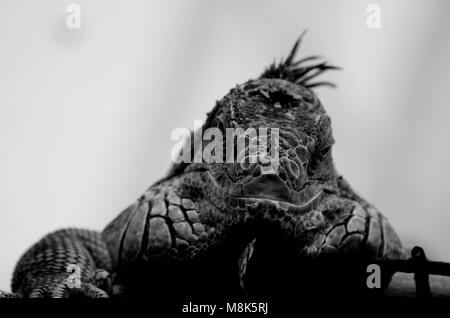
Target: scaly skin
<point x="194" y="231"/>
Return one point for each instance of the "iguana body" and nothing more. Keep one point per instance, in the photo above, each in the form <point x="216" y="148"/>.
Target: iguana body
<point x="188" y="231"/>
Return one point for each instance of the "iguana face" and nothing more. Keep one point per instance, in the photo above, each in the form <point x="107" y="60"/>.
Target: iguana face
<point x="305" y="139"/>
<point x="280" y="99"/>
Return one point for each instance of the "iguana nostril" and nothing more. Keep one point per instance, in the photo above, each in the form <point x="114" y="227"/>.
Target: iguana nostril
<point x="292" y="168"/>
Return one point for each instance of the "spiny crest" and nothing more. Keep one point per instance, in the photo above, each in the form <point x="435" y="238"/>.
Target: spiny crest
<point x="297" y="71"/>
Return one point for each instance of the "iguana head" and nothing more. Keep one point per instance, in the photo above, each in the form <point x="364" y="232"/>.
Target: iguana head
<point x="281" y="98"/>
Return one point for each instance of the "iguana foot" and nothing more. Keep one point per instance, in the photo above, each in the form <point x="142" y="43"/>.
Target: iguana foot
<point x="66" y="263"/>
<point x="63" y="285"/>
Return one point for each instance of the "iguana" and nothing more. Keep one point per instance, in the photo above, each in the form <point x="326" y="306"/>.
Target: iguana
<point x="195" y="230"/>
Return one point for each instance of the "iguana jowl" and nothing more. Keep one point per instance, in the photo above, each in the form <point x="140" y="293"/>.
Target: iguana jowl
<point x="188" y="230"/>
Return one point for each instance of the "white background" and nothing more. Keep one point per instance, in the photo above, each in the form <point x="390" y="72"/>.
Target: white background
<point x="86" y="115"/>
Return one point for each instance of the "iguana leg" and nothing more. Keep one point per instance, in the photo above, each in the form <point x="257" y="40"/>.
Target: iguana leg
<point x="65" y="263"/>
<point x="363" y="230"/>
<point x="175" y="236"/>
<point x="355" y="226"/>
<point x="327" y="247"/>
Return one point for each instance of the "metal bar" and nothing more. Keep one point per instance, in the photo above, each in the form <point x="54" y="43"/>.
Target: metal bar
<point x="410" y="266"/>
<point x="421" y="275"/>
<point x="420" y="266"/>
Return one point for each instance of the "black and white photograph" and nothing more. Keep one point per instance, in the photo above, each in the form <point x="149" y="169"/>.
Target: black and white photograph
<point x="214" y="158"/>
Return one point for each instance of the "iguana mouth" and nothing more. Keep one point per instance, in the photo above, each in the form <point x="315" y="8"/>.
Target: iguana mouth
<point x="267" y="186"/>
<point x="289" y="207"/>
<point x="271" y="190"/>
